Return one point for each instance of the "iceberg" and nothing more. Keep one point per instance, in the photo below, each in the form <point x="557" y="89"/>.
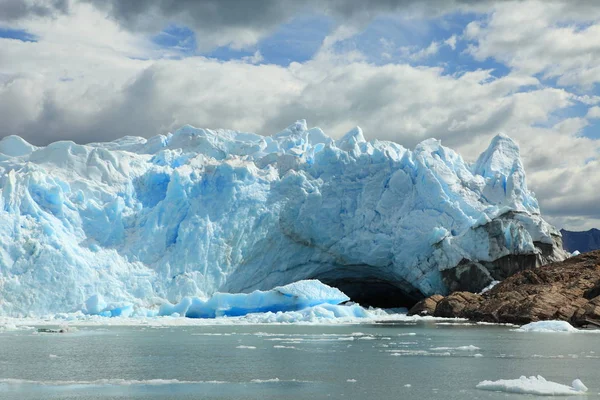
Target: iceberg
<point x="534" y="385"/>
<point x="548" y="326"/>
<point x="292" y="297"/>
<point x="142" y="222"/>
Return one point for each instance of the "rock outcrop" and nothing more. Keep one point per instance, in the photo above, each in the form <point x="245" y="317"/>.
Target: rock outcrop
<point x="568" y="291"/>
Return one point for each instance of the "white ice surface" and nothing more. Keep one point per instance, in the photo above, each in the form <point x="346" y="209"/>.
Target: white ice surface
<point x="548" y="326"/>
<point x="534" y="385"/>
<point x="325" y="314"/>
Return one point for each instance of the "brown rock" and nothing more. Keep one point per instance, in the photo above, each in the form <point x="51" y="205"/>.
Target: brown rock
<point x="588" y="312"/>
<point x="458" y="304"/>
<point x="426" y="306"/>
<point x="568" y="290"/>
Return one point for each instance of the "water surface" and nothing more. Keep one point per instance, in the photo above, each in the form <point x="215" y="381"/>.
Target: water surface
<point x="378" y="361"/>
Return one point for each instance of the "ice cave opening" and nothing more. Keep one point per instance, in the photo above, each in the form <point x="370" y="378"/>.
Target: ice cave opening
<point x="375" y="291"/>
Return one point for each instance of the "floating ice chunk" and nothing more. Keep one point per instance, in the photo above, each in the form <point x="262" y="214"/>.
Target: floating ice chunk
<point x="272" y="380"/>
<point x="548" y="326"/>
<point x="533" y="385"/>
<point x="292" y="297"/>
<point x="579" y="386"/>
<point x="461" y="348"/>
<point x="320" y="314"/>
<point x="8" y="326"/>
<point x="575" y="253"/>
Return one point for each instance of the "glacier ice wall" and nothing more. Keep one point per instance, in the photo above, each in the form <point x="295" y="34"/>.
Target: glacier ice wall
<point x="143" y="221"/>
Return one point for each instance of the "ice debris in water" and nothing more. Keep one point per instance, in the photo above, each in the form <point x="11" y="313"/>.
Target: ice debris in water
<point x="534" y="385"/>
<point x="137" y="222"/>
<point x="292" y="297"/>
<point x="548" y="326"/>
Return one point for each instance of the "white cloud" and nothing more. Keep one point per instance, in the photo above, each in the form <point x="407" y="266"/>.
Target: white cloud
<point x="88" y="80"/>
<point x="428" y="51"/>
<point x="557" y="39"/>
<point x="593" y="112"/>
<point x="255" y="58"/>
<point x="451" y="41"/>
<point x="87" y="30"/>
<point x="431" y="50"/>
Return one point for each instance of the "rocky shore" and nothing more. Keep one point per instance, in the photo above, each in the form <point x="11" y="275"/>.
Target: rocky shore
<point x="567" y="290"/>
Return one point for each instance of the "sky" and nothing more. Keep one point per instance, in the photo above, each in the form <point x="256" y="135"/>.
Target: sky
<point x="402" y="70"/>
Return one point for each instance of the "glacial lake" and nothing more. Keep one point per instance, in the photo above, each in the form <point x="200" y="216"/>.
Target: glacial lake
<point x="423" y="360"/>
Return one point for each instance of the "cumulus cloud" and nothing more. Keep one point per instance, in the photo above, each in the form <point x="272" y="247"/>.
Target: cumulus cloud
<point x="593" y="112"/>
<point x="557" y="39"/>
<point x="428" y="51"/>
<point x="88" y="79"/>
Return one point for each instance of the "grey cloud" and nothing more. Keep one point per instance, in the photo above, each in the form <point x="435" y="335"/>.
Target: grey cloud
<point x="573" y="206"/>
<point x="222" y="22"/>
<point x="12" y="10"/>
<point x="134" y="110"/>
<point x="203" y="14"/>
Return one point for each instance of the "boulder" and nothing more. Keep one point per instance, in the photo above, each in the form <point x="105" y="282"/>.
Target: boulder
<point x="458" y="305"/>
<point x="426" y="306"/>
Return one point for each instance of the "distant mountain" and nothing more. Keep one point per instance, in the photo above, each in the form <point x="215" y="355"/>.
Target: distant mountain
<point x="582" y="241"/>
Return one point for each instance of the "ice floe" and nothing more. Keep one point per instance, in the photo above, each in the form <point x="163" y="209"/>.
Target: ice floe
<point x="535" y="385"/>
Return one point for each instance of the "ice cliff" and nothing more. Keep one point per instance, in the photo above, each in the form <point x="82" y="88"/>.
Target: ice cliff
<point x="144" y="221"/>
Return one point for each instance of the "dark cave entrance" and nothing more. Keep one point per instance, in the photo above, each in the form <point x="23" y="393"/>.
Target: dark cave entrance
<point x="375" y="292"/>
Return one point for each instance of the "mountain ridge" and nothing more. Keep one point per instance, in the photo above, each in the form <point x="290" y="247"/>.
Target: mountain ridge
<point x="582" y="241"/>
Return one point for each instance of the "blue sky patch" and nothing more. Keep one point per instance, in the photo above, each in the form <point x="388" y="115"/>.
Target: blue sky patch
<point x="178" y="38"/>
<point x="18" y="34"/>
<point x="295" y="41"/>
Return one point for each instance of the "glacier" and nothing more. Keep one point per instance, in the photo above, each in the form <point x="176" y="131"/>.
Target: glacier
<point x="140" y="223"/>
